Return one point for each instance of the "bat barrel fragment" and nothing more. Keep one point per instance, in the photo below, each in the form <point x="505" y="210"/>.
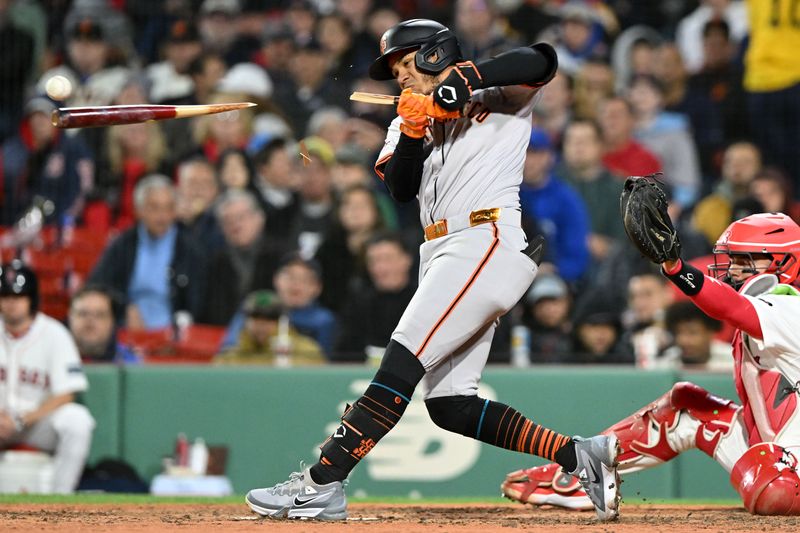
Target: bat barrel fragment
<point x="372" y="98"/>
<point x="86" y="117"/>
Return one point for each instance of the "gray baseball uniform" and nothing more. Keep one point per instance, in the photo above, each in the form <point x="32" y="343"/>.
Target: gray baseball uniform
<point x="475" y="271"/>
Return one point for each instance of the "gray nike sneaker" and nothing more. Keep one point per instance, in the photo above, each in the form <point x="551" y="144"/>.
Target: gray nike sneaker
<point x="597" y="473"/>
<point x="300" y="497"/>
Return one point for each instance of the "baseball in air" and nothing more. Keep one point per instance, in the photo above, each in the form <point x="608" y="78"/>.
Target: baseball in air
<point x="58" y="88"/>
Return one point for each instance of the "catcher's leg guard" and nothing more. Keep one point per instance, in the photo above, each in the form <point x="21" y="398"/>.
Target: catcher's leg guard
<point x="372" y="416"/>
<point x="686" y="417"/>
<point x="766" y="478"/>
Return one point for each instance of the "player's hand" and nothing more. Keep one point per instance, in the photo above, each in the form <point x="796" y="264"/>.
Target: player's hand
<point x="456" y="89"/>
<point x="411" y="108"/>
<point x="416" y="109"/>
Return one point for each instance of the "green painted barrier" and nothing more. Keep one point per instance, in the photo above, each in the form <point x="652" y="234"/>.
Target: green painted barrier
<point x="268" y="418"/>
<point x="103" y="400"/>
<point x="271" y="419"/>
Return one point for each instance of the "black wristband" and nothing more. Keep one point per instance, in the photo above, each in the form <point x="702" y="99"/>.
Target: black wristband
<point x="688" y="279"/>
<point x="457" y="87"/>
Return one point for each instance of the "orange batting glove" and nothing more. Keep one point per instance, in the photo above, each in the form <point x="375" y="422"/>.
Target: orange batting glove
<point x="415" y="109"/>
<point x="411" y="108"/>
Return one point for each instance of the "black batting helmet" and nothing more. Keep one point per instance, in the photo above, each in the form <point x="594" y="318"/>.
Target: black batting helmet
<point x="438" y="47"/>
<point x="16" y="279"/>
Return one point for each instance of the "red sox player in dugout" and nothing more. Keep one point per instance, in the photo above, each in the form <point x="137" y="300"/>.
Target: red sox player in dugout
<point x="458" y="146"/>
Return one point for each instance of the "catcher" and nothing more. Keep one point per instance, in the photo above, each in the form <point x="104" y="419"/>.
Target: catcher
<point x="751" y="286"/>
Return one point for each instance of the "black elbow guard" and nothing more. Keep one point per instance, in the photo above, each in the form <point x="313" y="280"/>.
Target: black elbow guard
<point x="551" y="58"/>
<point x="533" y="66"/>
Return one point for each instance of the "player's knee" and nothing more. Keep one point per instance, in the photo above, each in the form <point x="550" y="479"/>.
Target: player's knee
<point x="73" y="419"/>
<point x="766" y="478"/>
<point x="687" y="394"/>
<point x="398" y="361"/>
<point x="702" y="404"/>
<point x="780" y="497"/>
<point x="458" y="414"/>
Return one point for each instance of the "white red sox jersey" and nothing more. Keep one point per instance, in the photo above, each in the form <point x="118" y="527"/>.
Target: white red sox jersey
<point x="767" y="372"/>
<point x="43" y="362"/>
<point x="475" y="161"/>
<point x="473" y="274"/>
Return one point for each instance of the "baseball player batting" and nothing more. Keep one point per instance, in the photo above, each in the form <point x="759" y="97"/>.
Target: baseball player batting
<point x="752" y="287"/>
<point x="458" y="145"/>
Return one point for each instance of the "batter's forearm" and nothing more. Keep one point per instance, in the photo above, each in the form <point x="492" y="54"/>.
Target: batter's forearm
<point x="403" y="172"/>
<point x="716" y="299"/>
<point x="533" y="65"/>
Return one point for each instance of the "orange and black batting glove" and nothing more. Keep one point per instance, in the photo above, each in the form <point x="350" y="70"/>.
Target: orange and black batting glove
<point x="456" y="89"/>
<point x="415" y="109"/>
<point x="411" y="108"/>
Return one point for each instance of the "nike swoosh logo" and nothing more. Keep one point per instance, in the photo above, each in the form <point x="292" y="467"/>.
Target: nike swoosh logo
<point x="298" y="502"/>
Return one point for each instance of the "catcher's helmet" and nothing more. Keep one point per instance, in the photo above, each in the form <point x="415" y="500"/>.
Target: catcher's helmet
<point x="16" y="279"/>
<point x="438" y="47"/>
<point x="774" y="234"/>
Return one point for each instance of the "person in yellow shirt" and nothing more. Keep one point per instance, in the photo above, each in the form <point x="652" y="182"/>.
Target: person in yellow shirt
<point x="772" y="81"/>
<point x="268" y="339"/>
<point x="741" y="163"/>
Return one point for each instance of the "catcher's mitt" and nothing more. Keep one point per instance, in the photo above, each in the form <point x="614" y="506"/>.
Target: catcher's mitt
<point x="643" y="206"/>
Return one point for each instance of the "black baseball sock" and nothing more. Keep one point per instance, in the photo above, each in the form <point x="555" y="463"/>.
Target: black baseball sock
<point x="371" y="417"/>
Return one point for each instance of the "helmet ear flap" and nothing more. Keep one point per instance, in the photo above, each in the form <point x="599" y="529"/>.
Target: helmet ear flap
<point x="442" y="51"/>
<point x="787" y="267"/>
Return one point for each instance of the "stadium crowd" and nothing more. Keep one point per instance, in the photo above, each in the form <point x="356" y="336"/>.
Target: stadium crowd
<point x="167" y="227"/>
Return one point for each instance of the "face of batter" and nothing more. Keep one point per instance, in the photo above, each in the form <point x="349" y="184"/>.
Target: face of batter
<point x="404" y="70"/>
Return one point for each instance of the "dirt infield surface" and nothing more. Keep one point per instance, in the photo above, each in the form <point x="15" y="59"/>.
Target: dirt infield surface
<point x="380" y="518"/>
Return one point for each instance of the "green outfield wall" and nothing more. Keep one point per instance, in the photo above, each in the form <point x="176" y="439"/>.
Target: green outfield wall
<point x="271" y="419"/>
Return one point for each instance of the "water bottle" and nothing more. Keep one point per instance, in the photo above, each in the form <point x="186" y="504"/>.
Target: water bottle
<point x="182" y="450"/>
<point x="198" y="457"/>
<point x="282" y="344"/>
<point x="182" y="320"/>
<point x="520" y="346"/>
